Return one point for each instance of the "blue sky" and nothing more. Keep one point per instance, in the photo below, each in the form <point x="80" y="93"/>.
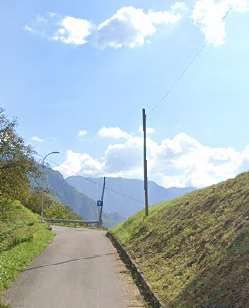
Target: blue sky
<point x="121" y="56"/>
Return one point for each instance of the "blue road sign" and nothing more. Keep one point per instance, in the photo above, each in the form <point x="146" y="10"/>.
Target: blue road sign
<point x="99" y="203"/>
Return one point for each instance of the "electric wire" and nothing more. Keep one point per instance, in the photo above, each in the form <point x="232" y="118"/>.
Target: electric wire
<point x="124" y="195"/>
<point x="175" y="82"/>
<point x="189" y="63"/>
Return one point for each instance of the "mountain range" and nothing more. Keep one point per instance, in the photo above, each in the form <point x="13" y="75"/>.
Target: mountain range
<point x="68" y="195"/>
<point x="124" y="196"/>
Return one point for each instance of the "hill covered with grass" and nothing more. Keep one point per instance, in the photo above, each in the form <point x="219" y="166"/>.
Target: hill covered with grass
<point x="194" y="250"/>
<point x="22" y="237"/>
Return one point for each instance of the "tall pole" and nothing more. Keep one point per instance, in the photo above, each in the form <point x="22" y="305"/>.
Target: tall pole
<point x="146" y="202"/>
<point x="102" y="201"/>
<point x="43" y="171"/>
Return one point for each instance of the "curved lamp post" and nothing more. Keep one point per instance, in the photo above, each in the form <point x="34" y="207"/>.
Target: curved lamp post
<point x="43" y="167"/>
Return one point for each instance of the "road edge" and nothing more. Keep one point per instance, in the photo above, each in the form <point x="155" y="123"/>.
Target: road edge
<point x="144" y="287"/>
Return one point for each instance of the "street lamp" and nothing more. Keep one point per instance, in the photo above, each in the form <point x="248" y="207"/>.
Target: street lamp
<point x="43" y="168"/>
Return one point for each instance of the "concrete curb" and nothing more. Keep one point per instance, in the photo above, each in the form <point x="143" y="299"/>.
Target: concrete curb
<point x="145" y="289"/>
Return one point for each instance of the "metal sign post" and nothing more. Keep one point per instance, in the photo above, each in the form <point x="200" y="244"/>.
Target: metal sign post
<point x="100" y="204"/>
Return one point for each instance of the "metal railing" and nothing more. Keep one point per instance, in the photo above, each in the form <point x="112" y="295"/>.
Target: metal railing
<point x="68" y="221"/>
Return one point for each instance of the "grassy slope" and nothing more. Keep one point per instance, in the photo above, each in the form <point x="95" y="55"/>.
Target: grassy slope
<point x="21" y="238"/>
<point x="194" y="250"/>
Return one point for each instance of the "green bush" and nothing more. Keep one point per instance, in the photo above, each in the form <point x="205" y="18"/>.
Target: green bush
<point x="53" y="209"/>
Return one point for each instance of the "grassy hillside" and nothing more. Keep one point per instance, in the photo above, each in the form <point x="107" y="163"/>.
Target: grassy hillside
<point x="22" y="237"/>
<point x="194" y="250"/>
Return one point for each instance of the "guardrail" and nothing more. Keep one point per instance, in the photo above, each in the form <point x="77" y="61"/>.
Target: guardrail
<point x="58" y="220"/>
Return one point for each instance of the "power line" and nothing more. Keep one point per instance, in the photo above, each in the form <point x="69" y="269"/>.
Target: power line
<point x="110" y="189"/>
<point x="125" y="196"/>
<point x="115" y="191"/>
<point x="192" y="59"/>
<point x="90" y="181"/>
<point x="107" y="188"/>
<point x="178" y="78"/>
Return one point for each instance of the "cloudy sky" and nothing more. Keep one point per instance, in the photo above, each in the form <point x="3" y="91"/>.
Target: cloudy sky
<point x="77" y="73"/>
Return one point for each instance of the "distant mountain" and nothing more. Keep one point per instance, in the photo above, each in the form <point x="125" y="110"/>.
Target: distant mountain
<point x="124" y="196"/>
<point x="68" y="195"/>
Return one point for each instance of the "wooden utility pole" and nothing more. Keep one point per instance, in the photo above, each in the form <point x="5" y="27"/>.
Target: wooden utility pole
<point x="146" y="202"/>
<point x="101" y="202"/>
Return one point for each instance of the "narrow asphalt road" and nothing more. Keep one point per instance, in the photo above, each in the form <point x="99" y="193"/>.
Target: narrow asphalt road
<point x="79" y="269"/>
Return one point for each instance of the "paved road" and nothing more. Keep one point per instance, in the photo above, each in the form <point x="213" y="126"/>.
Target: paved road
<point x="79" y="269"/>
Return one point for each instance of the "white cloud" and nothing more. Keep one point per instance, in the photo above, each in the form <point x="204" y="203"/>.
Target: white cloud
<point x="178" y="161"/>
<point x="131" y="27"/>
<point x="209" y="15"/>
<point x="183" y="161"/>
<point x="64" y="29"/>
<point x="149" y="130"/>
<point x="82" y="133"/>
<point x="80" y="163"/>
<point x="128" y="27"/>
<point x="113" y="133"/>
<point x="73" y="31"/>
<point x="124" y="159"/>
<point x="37" y="139"/>
<point x="28" y="28"/>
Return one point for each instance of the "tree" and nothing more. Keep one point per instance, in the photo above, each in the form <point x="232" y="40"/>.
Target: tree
<point x="53" y="209"/>
<point x="17" y="164"/>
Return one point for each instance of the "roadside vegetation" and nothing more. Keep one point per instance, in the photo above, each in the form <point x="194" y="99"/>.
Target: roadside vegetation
<point x="194" y="250"/>
<point x="22" y="236"/>
<point x="53" y="209"/>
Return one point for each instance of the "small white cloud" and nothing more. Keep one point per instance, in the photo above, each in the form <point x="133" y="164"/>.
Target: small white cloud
<point x="209" y="15"/>
<point x="82" y="133"/>
<point x="113" y="133"/>
<point x="52" y="14"/>
<point x="28" y="28"/>
<point x="42" y="25"/>
<point x="73" y="31"/>
<point x="131" y="27"/>
<point x="37" y="139"/>
<point x="64" y="29"/>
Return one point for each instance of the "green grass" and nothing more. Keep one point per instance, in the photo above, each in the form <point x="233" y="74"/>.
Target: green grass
<point x="194" y="250"/>
<point x="22" y="237"/>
